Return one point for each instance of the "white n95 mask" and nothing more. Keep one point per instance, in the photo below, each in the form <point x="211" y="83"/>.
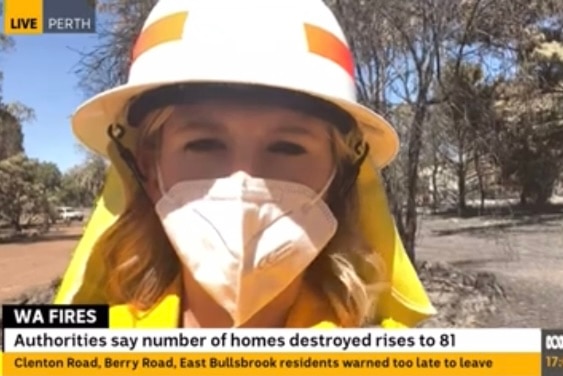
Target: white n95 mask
<point x="245" y="239"/>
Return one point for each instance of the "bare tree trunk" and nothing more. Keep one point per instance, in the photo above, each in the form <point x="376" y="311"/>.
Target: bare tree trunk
<point x="524" y="195"/>
<point x="395" y="201"/>
<point x="461" y="171"/>
<point x="16" y="224"/>
<point x="481" y="182"/>
<point x="414" y="149"/>
<point x="435" y="199"/>
<point x="461" y="189"/>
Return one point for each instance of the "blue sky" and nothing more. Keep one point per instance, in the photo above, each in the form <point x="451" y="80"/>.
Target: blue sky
<point x="39" y="73"/>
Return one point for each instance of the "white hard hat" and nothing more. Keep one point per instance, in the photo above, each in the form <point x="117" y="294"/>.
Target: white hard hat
<point x="295" y="45"/>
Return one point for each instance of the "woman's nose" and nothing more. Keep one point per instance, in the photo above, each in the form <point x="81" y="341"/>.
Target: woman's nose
<point x="247" y="161"/>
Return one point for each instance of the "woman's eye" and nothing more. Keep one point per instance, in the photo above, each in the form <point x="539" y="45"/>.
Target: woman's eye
<point x="206" y="144"/>
<point x="288" y="148"/>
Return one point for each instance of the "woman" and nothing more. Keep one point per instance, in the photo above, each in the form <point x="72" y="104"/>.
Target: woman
<point x="246" y="166"/>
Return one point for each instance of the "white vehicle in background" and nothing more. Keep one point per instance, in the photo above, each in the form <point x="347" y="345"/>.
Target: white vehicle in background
<point x="68" y="214"/>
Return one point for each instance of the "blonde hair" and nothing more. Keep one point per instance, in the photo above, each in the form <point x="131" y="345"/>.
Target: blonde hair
<point x="143" y="263"/>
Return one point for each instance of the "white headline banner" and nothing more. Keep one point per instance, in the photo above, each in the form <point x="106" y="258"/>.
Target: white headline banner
<point x="271" y="340"/>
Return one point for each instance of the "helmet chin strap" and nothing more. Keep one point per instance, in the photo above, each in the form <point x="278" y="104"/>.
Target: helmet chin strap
<point x="353" y="171"/>
<point x="115" y="133"/>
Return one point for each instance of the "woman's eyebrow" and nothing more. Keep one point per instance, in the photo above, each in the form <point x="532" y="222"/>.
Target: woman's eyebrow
<point x="295" y="130"/>
<point x="207" y="125"/>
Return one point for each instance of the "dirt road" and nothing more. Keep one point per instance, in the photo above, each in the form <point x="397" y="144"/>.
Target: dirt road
<point x="29" y="264"/>
<point x="526" y="255"/>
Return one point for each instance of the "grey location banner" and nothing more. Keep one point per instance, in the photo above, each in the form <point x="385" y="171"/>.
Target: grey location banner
<point x="69" y="16"/>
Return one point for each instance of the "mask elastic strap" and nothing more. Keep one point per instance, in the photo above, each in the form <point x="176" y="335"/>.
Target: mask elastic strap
<point x="324" y="190"/>
<point x="160" y="182"/>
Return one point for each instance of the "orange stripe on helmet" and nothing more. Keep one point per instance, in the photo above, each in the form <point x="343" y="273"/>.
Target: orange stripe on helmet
<point x="167" y="29"/>
<point x="327" y="45"/>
